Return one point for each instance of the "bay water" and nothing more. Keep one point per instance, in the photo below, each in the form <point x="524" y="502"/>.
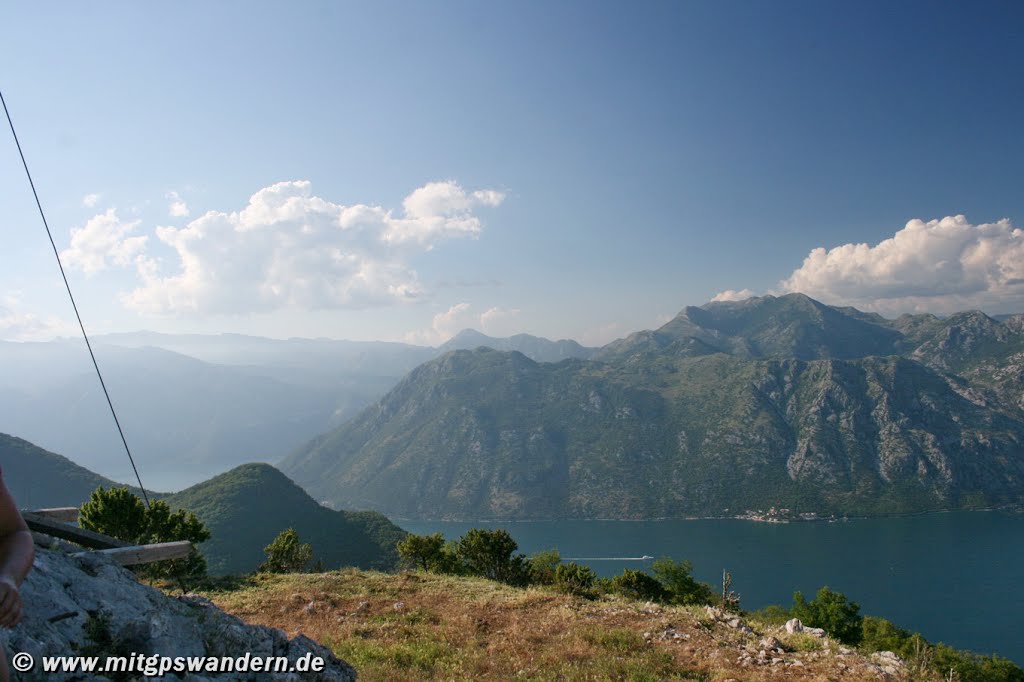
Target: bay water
<point x="955" y="577"/>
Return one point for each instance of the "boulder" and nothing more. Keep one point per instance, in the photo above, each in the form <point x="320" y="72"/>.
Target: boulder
<point x="87" y="602"/>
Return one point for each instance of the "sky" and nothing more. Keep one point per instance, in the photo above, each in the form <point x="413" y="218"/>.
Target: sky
<point x="403" y="170"/>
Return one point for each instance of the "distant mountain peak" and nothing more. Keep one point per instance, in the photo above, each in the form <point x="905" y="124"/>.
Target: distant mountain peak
<point x="794" y="325"/>
<point x="536" y="348"/>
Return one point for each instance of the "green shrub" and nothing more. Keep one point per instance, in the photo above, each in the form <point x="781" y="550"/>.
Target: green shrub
<point x="832" y="612"/>
<point x="117" y="512"/>
<point x="680" y="585"/>
<point x="973" y="667"/>
<point x="773" y="614"/>
<point x="491" y="554"/>
<point x="574" y="579"/>
<point x="425" y="552"/>
<point x="880" y="634"/>
<point x="638" y="585"/>
<point x="286" y="554"/>
<point x="543" y="566"/>
<point x="120" y="513"/>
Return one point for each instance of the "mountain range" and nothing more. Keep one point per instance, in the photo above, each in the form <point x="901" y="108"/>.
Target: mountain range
<point x="195" y="405"/>
<point x="729" y="407"/>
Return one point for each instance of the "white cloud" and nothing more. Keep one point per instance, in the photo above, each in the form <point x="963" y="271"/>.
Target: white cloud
<point x="17" y="325"/>
<point x="500" y="321"/>
<point x="493" y="322"/>
<point x="440" y="209"/>
<point x="178" y="208"/>
<point x="940" y="266"/>
<point x="733" y="295"/>
<point x="289" y="248"/>
<point x="101" y="242"/>
<point x="90" y="200"/>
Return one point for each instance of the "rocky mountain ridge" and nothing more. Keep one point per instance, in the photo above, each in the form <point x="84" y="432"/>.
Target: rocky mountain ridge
<point x="774" y="401"/>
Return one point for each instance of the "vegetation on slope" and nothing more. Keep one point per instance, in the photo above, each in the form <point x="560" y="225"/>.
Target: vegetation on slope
<point x="427" y="626"/>
<point x="489" y="435"/>
<point x="247" y="507"/>
<point x="38" y="478"/>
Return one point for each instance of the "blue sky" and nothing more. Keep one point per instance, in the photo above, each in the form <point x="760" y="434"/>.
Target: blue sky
<point x="628" y="159"/>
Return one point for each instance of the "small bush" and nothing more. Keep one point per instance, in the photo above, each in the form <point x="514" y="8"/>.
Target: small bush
<point x="543" y="566"/>
<point x="802" y="641"/>
<point x="425" y="552"/>
<point x="491" y="554"/>
<point x="638" y="585"/>
<point x="879" y="634"/>
<point x="773" y="614"/>
<point x="680" y="585"/>
<point x="120" y="513"/>
<point x="286" y="554"/>
<point x="832" y="612"/>
<point x="574" y="579"/>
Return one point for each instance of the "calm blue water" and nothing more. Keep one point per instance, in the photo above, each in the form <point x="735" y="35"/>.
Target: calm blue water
<point x="957" y="578"/>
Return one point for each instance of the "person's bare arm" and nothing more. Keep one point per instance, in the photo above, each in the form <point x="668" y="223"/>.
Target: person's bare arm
<point x="16" y="555"/>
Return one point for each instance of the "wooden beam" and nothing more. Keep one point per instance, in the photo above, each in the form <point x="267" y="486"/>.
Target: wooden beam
<point x="66" y="531"/>
<point x="49" y="542"/>
<point x="68" y="514"/>
<point x="145" y="554"/>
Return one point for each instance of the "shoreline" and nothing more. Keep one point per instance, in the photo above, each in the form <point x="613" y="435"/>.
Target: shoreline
<point x="831" y="518"/>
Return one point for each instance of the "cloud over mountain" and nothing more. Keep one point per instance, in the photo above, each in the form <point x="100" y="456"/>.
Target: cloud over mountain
<point x="733" y="295"/>
<point x="939" y="266"/>
<point x="287" y="248"/>
<point x="494" y="321"/>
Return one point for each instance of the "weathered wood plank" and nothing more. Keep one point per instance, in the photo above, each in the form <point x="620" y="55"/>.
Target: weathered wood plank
<point x="49" y="542"/>
<point x="66" y="531"/>
<point x="145" y="554"/>
<point x="67" y="514"/>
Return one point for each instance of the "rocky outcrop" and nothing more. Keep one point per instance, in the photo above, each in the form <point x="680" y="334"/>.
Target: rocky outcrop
<point x="89" y="605"/>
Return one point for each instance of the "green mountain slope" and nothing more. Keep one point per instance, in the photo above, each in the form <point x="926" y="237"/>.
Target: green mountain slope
<point x="245" y="508"/>
<point x="770" y="402"/>
<point x="38" y="478"/>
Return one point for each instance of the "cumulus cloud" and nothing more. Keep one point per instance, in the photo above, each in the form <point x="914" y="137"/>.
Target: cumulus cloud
<point x="90" y="200"/>
<point x="178" y="208"/>
<point x="18" y="325"/>
<point x="290" y="248"/>
<point x="103" y="241"/>
<point x="734" y="295"/>
<point x="440" y="209"/>
<point x="938" y="266"/>
<point x="493" y="322"/>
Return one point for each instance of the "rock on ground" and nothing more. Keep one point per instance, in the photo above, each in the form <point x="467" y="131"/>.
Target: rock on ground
<point x="141" y="620"/>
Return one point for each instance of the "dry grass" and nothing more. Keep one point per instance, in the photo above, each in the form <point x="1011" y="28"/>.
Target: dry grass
<point x="414" y="626"/>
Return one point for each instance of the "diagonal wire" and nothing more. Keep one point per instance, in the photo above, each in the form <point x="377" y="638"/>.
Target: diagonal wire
<point x="74" y="305"/>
